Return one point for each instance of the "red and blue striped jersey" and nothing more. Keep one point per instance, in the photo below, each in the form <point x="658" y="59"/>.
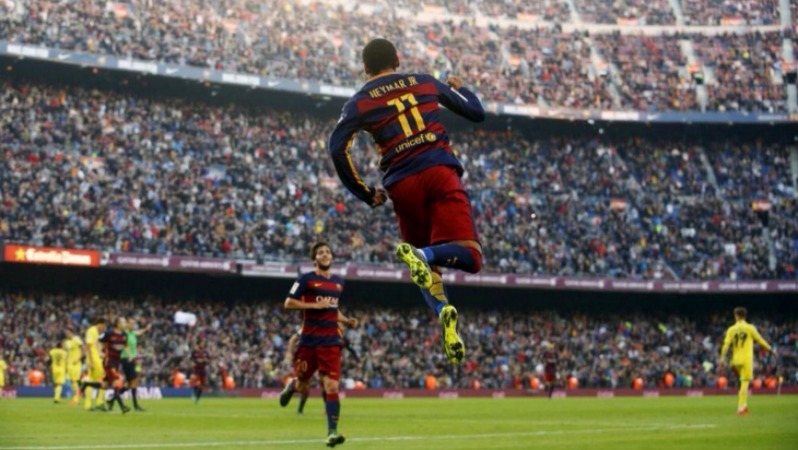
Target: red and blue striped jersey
<point x="115" y="342"/>
<point x="201" y="359"/>
<point x="401" y="113"/>
<point x="319" y="326"/>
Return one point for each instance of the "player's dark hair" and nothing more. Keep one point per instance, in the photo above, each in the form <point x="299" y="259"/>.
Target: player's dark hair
<point x="315" y="248"/>
<point x="740" y="312"/>
<point x="97" y="320"/>
<point x="378" y="55"/>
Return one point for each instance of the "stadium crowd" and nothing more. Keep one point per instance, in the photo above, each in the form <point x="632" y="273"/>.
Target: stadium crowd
<point x="744" y="66"/>
<point x="725" y="12"/>
<point x="398" y="348"/>
<point x="321" y="42"/>
<point x="651" y="71"/>
<point x="117" y="172"/>
<point x="657" y="12"/>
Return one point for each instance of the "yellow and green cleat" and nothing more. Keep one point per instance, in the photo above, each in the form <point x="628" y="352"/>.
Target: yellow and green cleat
<point x="420" y="271"/>
<point x="452" y="343"/>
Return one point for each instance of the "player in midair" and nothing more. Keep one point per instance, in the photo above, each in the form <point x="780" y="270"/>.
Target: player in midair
<point x="740" y="337"/>
<point x="316" y="294"/>
<point x="420" y="172"/>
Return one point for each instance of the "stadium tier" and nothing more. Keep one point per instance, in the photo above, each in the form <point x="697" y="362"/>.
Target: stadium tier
<point x="516" y="53"/>
<point x="249" y="342"/>
<point x="121" y="173"/>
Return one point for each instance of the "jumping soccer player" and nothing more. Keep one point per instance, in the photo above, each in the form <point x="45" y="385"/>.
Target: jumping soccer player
<point x="741" y="337"/>
<point x="129" y="356"/>
<point x="74" y="350"/>
<point x="199" y="372"/>
<point x="420" y="173"/>
<point x="94" y="366"/>
<point x="316" y="294"/>
<point x="58" y="367"/>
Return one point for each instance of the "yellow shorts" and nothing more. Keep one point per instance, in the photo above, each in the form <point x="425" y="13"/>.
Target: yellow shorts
<point x="59" y="378"/>
<point x="745" y="371"/>
<point x="74" y="372"/>
<point x="96" y="373"/>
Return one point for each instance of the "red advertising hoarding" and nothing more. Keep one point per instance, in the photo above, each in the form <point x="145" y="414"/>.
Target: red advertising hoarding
<point x="51" y="255"/>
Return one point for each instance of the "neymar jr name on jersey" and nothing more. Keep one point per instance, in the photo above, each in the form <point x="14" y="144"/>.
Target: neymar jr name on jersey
<point x="401" y="83"/>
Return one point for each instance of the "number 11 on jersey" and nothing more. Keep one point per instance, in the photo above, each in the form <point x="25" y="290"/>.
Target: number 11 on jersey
<point x="399" y="103"/>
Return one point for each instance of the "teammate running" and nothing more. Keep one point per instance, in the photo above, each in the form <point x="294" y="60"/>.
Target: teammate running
<point x="316" y="294"/>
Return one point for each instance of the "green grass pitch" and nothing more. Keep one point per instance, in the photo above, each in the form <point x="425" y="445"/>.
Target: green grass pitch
<point x="448" y="424"/>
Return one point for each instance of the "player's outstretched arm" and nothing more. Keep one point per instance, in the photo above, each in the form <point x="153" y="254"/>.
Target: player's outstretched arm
<point x="459" y="99"/>
<point x="144" y="330"/>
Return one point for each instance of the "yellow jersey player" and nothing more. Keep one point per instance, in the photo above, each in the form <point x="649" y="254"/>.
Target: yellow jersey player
<point x="94" y="365"/>
<point x="58" y="367"/>
<point x="74" y="348"/>
<point x="3" y="368"/>
<point x="740" y="337"/>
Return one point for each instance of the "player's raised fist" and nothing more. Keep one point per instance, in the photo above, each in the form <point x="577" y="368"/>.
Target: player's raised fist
<point x="455" y="82"/>
<point x="380" y="197"/>
<point x="353" y="323"/>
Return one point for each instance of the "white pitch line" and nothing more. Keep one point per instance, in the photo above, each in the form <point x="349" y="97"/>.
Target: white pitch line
<point x="361" y="439"/>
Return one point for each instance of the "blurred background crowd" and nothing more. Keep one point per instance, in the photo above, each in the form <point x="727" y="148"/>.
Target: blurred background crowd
<point x="399" y="348"/>
<point x="118" y="172"/>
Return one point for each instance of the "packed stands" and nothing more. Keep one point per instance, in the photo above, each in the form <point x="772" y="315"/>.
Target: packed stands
<point x="650" y="68"/>
<point x="511" y="60"/>
<point x="744" y="68"/>
<point x="726" y="12"/>
<point x="398" y="348"/>
<point x="657" y="12"/>
<point x="117" y="172"/>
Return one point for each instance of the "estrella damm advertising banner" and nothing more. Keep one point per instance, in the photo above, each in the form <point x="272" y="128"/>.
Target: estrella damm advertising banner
<point x="50" y="255"/>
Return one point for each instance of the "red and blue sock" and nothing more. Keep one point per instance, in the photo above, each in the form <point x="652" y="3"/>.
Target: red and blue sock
<point x="455" y="256"/>
<point x="333" y="407"/>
